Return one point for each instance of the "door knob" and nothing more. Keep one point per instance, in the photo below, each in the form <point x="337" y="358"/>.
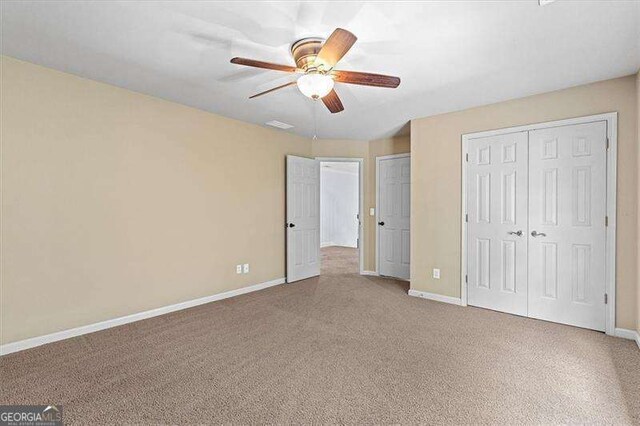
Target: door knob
<point x="538" y="234"/>
<point x="381" y="223"/>
<point x="292" y="225"/>
<point x="518" y="233"/>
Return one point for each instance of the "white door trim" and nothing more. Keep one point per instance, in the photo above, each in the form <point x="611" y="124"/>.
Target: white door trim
<point x="378" y="159"/>
<point x="361" y="233"/>
<point x="610" y="248"/>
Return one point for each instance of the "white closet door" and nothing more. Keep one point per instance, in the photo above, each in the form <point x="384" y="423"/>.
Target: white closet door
<point x="497" y="223"/>
<point x="567" y="224"/>
<point x="303" y="218"/>
<point x="394" y="207"/>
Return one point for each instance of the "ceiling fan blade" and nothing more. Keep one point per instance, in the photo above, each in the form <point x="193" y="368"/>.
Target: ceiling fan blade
<point x="265" y="65"/>
<point x="292" y="83"/>
<point x="336" y="46"/>
<point x="366" y="79"/>
<point x="333" y="102"/>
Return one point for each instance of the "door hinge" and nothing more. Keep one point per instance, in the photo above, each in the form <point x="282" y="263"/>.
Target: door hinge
<point x="466" y="217"/>
<point x="606" y="298"/>
<point x="607" y="143"/>
<point x="606" y="221"/>
<point x="466" y="279"/>
<point x="467" y="156"/>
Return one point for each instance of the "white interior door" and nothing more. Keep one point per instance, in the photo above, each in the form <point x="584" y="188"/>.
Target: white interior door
<point x="303" y="218"/>
<point x="567" y="211"/>
<point x="497" y="223"/>
<point x="394" y="207"/>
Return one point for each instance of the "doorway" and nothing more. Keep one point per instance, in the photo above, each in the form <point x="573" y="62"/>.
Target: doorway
<point x="341" y="226"/>
<point x="539" y="221"/>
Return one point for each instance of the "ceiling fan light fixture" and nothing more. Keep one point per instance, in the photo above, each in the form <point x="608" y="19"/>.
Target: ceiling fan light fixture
<point x="315" y="86"/>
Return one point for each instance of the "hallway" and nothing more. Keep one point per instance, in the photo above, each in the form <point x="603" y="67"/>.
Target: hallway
<point x="339" y="260"/>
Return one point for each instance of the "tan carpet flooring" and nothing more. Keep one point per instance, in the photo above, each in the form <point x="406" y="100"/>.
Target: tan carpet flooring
<point x="336" y="349"/>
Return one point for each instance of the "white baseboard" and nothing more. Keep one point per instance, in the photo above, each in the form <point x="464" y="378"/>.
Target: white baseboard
<point x="436" y="297"/>
<point x="372" y="273"/>
<point x="628" y="334"/>
<point x="625" y="333"/>
<point x="85" y="329"/>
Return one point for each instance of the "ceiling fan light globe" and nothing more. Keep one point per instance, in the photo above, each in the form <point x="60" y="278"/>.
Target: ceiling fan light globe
<point x="315" y="86"/>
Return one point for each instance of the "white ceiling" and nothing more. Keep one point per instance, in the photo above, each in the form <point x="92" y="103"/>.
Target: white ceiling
<point x="449" y="55"/>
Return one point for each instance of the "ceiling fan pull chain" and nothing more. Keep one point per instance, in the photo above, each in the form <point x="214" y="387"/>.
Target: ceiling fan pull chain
<point x="315" y="119"/>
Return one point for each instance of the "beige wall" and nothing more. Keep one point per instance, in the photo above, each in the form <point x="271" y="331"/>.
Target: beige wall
<point x="116" y="202"/>
<point x="367" y="151"/>
<point x="436" y="180"/>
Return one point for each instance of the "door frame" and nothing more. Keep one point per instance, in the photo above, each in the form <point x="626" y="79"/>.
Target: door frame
<point x="361" y="233"/>
<point x="611" y="119"/>
<point x="378" y="159"/>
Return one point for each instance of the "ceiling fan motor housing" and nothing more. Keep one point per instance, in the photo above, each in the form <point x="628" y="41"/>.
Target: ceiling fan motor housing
<point x="304" y="52"/>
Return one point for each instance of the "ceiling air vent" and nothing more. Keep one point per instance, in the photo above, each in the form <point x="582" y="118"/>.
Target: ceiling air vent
<point x="545" y="2"/>
<point x="278" y="124"/>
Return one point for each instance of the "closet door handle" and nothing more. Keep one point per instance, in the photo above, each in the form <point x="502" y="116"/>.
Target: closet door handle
<point x="381" y="223"/>
<point x="538" y="234"/>
<point x="518" y="233"/>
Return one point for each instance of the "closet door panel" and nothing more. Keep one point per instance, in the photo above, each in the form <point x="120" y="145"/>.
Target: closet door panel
<point x="567" y="208"/>
<point x="497" y="223"/>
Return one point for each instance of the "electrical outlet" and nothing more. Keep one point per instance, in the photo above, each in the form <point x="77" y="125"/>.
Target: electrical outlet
<point x="245" y="268"/>
<point x="372" y="211"/>
<point x="436" y="273"/>
<point x="238" y="269"/>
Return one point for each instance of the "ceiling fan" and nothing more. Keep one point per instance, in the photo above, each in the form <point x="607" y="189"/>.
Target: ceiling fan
<point x="315" y="59"/>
